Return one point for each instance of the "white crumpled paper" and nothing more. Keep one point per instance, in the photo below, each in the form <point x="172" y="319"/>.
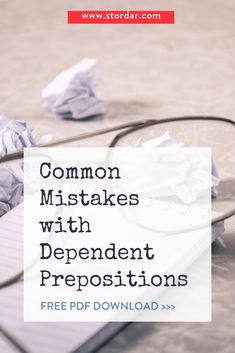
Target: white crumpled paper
<point x="71" y="94"/>
<point x="14" y="136"/>
<point x="11" y="187"/>
<point x="167" y="140"/>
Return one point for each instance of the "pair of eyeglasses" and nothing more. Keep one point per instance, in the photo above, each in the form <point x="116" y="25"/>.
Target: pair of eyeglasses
<point x="193" y="133"/>
<point x="131" y="132"/>
<point x="193" y="130"/>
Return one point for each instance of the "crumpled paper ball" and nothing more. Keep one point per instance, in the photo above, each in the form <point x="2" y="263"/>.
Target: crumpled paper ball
<point x="71" y="94"/>
<point x="11" y="188"/>
<point x="14" y="136"/>
<point x="186" y="192"/>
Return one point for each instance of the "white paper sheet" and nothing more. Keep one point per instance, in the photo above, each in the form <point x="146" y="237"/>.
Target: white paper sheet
<point x="71" y="94"/>
<point x="36" y="337"/>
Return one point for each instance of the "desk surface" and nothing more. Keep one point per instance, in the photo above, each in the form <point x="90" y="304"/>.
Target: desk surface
<point x="149" y="72"/>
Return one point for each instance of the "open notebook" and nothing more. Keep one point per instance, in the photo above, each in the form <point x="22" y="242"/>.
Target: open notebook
<point x="38" y="337"/>
<point x="43" y="337"/>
